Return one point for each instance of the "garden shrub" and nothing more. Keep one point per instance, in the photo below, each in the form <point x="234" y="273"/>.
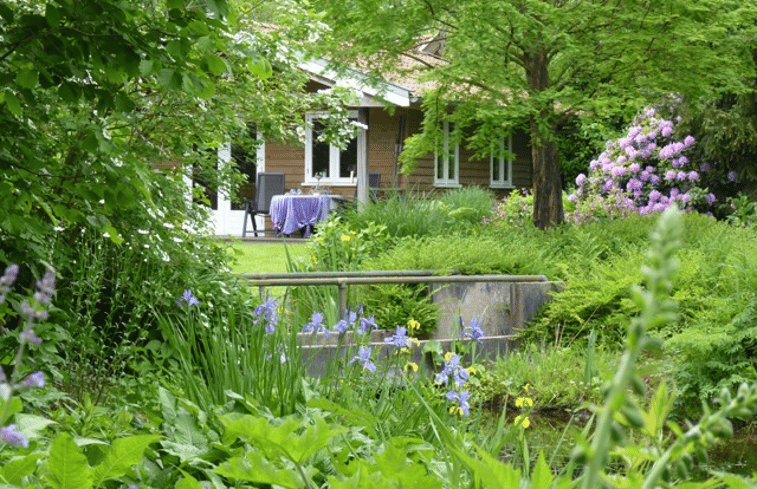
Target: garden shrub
<point x="103" y="322"/>
<point x="644" y="172"/>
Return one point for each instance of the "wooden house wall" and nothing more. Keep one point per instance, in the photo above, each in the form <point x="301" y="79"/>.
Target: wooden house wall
<point x="383" y="133"/>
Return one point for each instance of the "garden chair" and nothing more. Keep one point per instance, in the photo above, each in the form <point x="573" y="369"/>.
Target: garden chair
<point x="374" y="183"/>
<point x="268" y="184"/>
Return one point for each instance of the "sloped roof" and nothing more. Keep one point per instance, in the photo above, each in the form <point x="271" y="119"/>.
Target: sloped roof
<point x="402" y="87"/>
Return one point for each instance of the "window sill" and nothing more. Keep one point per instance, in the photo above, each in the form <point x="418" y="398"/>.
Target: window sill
<point x="508" y="186"/>
<point x="447" y="185"/>
<point x="325" y="183"/>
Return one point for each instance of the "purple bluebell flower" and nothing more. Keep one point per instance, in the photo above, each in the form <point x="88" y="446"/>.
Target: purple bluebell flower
<point x="45" y="288"/>
<point x="710" y="198"/>
<point x="37" y="379"/>
<point x="364" y="356"/>
<point x="462" y="398"/>
<point x="732" y="176"/>
<point x="28" y="336"/>
<point x="7" y="280"/>
<point x="269" y="311"/>
<point x="187" y="297"/>
<point x="399" y="339"/>
<point x="10" y="435"/>
<point x="580" y="179"/>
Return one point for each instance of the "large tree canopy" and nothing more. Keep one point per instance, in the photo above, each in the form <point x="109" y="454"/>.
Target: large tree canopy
<point x="95" y="94"/>
<point x="534" y="62"/>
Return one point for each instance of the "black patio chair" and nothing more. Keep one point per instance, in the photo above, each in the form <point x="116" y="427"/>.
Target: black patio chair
<point x="374" y="183"/>
<point x="268" y="184"/>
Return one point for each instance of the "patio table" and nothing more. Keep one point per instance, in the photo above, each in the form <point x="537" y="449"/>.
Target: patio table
<point x="291" y="212"/>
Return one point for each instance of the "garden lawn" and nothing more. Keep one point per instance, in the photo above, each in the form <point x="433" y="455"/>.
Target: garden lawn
<point x="265" y="257"/>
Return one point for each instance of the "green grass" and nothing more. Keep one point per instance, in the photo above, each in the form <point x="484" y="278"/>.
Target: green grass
<point x="265" y="257"/>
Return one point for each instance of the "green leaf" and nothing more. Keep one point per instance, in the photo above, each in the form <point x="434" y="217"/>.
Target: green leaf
<point x="31" y="425"/>
<point x="12" y="472"/>
<point x="124" y="104"/>
<point x="123" y="454"/>
<point x="52" y="15"/>
<point x="216" y="64"/>
<point x="68" y="92"/>
<point x="28" y="78"/>
<point x="256" y="467"/>
<point x="199" y="27"/>
<point x="6" y="13"/>
<point x="177" y="4"/>
<point x="13" y="103"/>
<point x="15" y="407"/>
<point x="67" y="468"/>
<point x="262" y="69"/>
<point x="170" y="79"/>
<point x="541" y="477"/>
<point x="146" y="67"/>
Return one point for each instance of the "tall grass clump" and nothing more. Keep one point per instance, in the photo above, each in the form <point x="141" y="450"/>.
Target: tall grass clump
<point x="412" y="215"/>
<point x="221" y="348"/>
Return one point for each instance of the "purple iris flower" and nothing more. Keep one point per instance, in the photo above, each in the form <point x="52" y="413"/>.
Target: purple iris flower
<point x="269" y="311"/>
<point x="399" y="339"/>
<point x="366" y="325"/>
<point x="364" y="356"/>
<point x="188" y="298"/>
<point x="472" y="331"/>
<point x="344" y="324"/>
<point x="316" y="325"/>
<point x="462" y="398"/>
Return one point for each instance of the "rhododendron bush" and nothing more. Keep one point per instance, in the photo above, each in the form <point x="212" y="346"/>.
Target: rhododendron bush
<point x="646" y="171"/>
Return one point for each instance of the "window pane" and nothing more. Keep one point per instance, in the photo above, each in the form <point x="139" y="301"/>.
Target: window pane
<point x="495" y="169"/>
<point x="451" y="166"/>
<point x="320" y="152"/>
<point x="348" y="159"/>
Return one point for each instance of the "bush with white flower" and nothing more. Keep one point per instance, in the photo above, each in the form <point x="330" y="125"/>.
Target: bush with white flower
<point x="644" y="172"/>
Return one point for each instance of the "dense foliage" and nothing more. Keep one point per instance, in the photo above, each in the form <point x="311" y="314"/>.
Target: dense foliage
<point x="537" y="64"/>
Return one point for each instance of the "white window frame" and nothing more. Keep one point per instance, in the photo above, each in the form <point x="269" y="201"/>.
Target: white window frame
<point x="334" y="155"/>
<point x="445" y="158"/>
<point x="504" y="177"/>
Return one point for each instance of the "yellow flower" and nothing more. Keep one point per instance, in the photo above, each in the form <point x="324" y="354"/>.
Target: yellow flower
<point x="346" y="237"/>
<point x="522" y="421"/>
<point x="471" y="370"/>
<point x="524" y="402"/>
<point x="413" y="326"/>
<point x="415" y="341"/>
<point x="456" y="410"/>
<point x="411" y="366"/>
<point x="448" y="355"/>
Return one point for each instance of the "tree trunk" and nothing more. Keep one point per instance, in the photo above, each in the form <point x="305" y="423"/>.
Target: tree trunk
<point x="548" y="209"/>
<point x="547" y="181"/>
